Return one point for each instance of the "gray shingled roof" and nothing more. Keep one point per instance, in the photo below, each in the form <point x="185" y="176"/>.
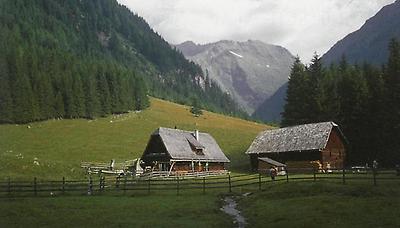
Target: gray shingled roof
<point x="178" y="146"/>
<point x="297" y="138"/>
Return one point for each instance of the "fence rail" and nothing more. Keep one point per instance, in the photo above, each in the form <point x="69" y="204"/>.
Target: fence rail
<point x="224" y="183"/>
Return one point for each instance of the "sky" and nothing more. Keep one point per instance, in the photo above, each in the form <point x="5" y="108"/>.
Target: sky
<point x="302" y="26"/>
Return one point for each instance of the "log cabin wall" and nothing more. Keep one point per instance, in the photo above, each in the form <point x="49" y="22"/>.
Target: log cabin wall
<point x="334" y="153"/>
<point x="216" y="166"/>
<point x="182" y="166"/>
<point x="187" y="166"/>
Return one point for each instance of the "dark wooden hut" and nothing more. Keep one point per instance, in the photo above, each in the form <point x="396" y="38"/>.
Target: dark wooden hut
<point x="183" y="151"/>
<point x="320" y="145"/>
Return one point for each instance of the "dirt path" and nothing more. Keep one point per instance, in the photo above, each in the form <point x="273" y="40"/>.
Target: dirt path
<point x="230" y="209"/>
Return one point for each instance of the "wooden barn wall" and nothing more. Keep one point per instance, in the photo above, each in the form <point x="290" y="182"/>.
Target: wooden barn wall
<point x="216" y="166"/>
<point x="264" y="167"/>
<point x="334" y="152"/>
<point x="303" y="159"/>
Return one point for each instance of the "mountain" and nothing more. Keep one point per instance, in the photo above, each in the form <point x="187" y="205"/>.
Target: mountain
<point x="370" y="42"/>
<point x="271" y="109"/>
<point x="74" y="59"/>
<point x="250" y="71"/>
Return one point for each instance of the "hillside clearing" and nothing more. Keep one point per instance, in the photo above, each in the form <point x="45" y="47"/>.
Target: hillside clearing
<point x="58" y="146"/>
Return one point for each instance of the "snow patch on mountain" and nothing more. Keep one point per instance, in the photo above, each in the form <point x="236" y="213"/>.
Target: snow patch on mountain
<point x="251" y="72"/>
<point x="236" y="54"/>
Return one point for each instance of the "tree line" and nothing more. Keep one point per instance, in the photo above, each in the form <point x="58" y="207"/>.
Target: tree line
<point x="74" y="59"/>
<point x="40" y="84"/>
<point x="363" y="99"/>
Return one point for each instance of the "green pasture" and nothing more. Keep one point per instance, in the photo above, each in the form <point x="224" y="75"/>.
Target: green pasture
<point x="59" y="146"/>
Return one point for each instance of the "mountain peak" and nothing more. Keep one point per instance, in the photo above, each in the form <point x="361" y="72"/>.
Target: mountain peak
<point x="251" y="71"/>
<point x="370" y="42"/>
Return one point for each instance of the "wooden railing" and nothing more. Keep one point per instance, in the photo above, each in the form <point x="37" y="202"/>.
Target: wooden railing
<point x="203" y="182"/>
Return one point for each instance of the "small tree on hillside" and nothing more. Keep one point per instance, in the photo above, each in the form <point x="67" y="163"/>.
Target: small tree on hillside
<point x="196" y="107"/>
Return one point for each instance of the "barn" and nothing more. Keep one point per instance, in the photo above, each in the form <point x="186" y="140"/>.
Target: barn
<point x="319" y="145"/>
<point x="174" y="150"/>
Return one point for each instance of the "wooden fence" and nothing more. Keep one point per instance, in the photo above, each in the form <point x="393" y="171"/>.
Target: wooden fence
<point x="224" y="183"/>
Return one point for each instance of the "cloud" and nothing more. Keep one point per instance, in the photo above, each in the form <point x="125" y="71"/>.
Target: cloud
<point x="302" y="26"/>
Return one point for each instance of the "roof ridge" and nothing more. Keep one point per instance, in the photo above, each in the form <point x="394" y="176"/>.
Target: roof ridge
<point x="179" y="130"/>
<point x="300" y="125"/>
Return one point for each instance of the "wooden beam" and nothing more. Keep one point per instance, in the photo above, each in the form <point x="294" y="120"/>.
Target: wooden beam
<point x="170" y="169"/>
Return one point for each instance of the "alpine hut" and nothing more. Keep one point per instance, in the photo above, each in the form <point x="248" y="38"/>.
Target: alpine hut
<point x="182" y="151"/>
<point x="318" y="145"/>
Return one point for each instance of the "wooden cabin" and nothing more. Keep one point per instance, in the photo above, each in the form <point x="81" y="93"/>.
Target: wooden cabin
<point x="318" y="145"/>
<point x="183" y="151"/>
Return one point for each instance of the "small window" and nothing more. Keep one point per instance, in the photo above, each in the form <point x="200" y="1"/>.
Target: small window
<point x="199" y="151"/>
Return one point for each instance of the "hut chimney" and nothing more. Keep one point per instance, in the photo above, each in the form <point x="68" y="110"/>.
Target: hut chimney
<point x="196" y="134"/>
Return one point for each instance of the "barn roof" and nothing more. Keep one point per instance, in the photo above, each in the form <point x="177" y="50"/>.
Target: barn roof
<point x="179" y="144"/>
<point x="297" y="138"/>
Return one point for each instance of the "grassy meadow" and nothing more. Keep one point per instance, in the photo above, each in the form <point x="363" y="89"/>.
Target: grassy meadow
<point x="59" y="146"/>
<point x="278" y="204"/>
<point x="324" y="204"/>
<point x="110" y="211"/>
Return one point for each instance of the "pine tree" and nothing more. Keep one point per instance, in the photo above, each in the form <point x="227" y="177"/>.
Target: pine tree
<point x="392" y="108"/>
<point x="92" y="103"/>
<point x="315" y="90"/>
<point x="59" y="105"/>
<point x="296" y="109"/>
<point x="78" y="94"/>
<point x="21" y="87"/>
<point x="6" y="111"/>
<point x="104" y="93"/>
<point x="196" y="107"/>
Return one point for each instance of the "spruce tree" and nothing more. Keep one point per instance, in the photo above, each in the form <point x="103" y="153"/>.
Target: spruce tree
<point x="296" y="109"/>
<point x="315" y="91"/>
<point x="6" y="111"/>
<point x="392" y="79"/>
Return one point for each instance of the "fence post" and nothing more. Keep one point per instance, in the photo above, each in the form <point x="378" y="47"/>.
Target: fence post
<point x="117" y="182"/>
<point x="259" y="181"/>
<point x="148" y="185"/>
<point x="90" y="185"/>
<point x="287" y="175"/>
<point x="374" y="174"/>
<point x="204" y="185"/>
<point x="177" y="185"/>
<point x="63" y="185"/>
<point x="35" y="186"/>
<point x="9" y="186"/>
<point x="344" y="176"/>
<point x="315" y="174"/>
<point x="125" y="184"/>
<point x="230" y="185"/>
<point x="103" y="183"/>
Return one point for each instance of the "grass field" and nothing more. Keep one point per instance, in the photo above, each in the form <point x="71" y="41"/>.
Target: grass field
<point x="324" y="204"/>
<point x="60" y="145"/>
<point x="293" y="204"/>
<point x="109" y="211"/>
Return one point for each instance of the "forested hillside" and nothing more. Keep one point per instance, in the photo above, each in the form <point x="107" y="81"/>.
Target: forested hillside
<point x="362" y="99"/>
<point x="73" y="59"/>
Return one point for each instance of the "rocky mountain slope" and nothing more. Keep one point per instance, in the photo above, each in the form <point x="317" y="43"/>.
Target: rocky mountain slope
<point x="370" y="42"/>
<point x="250" y="71"/>
<point x="271" y="109"/>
